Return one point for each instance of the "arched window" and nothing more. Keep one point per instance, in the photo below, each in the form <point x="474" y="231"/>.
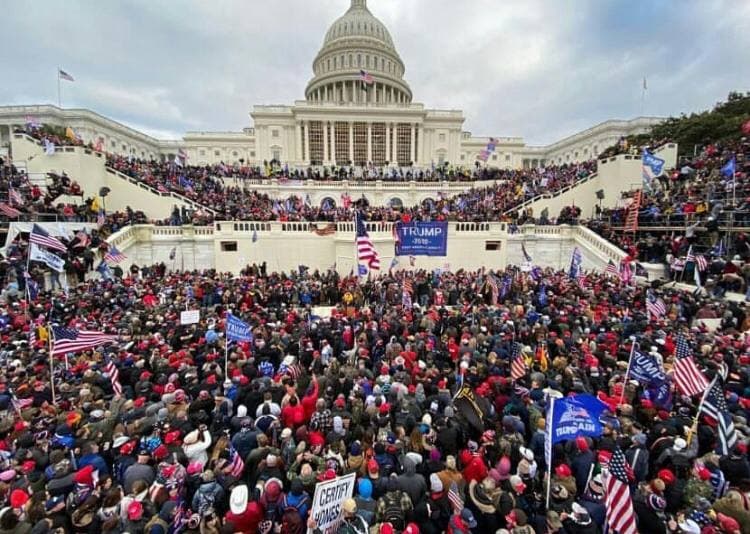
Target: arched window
<point x="350" y="61"/>
<point x="328" y="64"/>
<point x="359" y="60"/>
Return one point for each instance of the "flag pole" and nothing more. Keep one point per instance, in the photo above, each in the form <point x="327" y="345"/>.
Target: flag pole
<point x="627" y="371"/>
<point x="548" y="446"/>
<point x="226" y="355"/>
<point x="51" y="338"/>
<point x="694" y="426"/>
<point x="59" y="101"/>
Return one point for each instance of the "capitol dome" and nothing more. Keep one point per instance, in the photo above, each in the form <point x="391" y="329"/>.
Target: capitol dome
<point x="357" y="41"/>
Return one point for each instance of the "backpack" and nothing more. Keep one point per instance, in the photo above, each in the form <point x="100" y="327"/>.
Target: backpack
<point x="393" y="513"/>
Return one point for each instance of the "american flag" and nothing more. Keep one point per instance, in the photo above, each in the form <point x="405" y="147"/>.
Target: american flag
<point x="455" y="498"/>
<point x="492" y="282"/>
<point x="100" y="218"/>
<point x="65" y="340"/>
<point x="612" y="269"/>
<point x="690" y="256"/>
<point x="677" y="264"/>
<point x="114" y="255"/>
<point x="626" y="273"/>
<point x="688" y="378"/>
<point x="9" y="211"/>
<point x="408" y="285"/>
<point x="655" y="306"/>
<point x="517" y="363"/>
<point x="366" y="77"/>
<point x="64" y="75"/>
<point x="715" y="406"/>
<point x="619" y="506"/>
<point x="236" y="463"/>
<point x="39" y="236"/>
<point x="114" y="377"/>
<point x="365" y="249"/>
<point x="83" y="238"/>
<point x="701" y="262"/>
<point x="14" y="196"/>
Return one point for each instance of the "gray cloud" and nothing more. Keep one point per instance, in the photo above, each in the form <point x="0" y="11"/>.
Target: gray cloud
<point x="538" y="69"/>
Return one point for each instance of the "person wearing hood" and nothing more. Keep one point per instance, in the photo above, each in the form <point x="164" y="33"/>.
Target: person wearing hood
<point x="434" y="513"/>
<point x="209" y="494"/>
<point x="410" y="482"/>
<point x="366" y="505"/>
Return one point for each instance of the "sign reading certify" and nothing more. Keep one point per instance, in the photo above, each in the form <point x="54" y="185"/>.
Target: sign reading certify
<point x="329" y="496"/>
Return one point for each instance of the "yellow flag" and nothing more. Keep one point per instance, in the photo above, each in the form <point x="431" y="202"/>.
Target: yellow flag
<point x="541" y="355"/>
<point x="70" y="134"/>
<point x="95" y="205"/>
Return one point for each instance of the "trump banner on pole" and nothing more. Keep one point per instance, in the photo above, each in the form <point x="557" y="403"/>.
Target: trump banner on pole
<point x="237" y="330"/>
<point x="422" y="238"/>
<point x="327" y="503"/>
<point x="575" y="416"/>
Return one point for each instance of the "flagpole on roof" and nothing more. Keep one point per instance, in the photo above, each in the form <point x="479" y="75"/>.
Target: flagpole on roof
<point x="59" y="101"/>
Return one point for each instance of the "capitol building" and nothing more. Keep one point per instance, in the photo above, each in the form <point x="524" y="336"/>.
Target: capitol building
<point x="342" y="121"/>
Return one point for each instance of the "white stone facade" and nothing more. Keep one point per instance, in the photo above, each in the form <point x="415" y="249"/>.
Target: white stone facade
<point x="342" y="120"/>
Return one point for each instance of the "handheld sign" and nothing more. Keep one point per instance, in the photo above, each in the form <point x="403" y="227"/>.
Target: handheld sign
<point x="190" y="316"/>
<point x="329" y="497"/>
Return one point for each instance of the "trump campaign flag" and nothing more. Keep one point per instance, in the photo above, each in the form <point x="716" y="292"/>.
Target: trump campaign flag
<point x="572" y="417"/>
<point x="652" y="168"/>
<point x="237" y="330"/>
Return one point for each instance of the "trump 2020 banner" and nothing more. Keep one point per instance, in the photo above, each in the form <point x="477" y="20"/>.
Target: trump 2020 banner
<point x="575" y="416"/>
<point x="419" y="238"/>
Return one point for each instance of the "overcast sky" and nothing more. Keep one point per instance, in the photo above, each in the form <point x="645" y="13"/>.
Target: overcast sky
<point x="541" y="70"/>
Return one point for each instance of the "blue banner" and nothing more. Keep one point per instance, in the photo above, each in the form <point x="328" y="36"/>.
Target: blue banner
<point x="420" y="238"/>
<point x="646" y="369"/>
<point x="575" y="416"/>
<point x="237" y="330"/>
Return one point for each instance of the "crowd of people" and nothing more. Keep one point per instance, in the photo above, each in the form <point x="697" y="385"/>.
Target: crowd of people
<point x="203" y="185"/>
<point x="180" y="440"/>
<point x="703" y="198"/>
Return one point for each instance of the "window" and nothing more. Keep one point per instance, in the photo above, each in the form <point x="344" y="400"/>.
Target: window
<point x="360" y="143"/>
<point x="328" y="64"/>
<point x="124" y="147"/>
<point x="202" y="152"/>
<point x="234" y="153"/>
<point x="494" y="157"/>
<point x="114" y="143"/>
<point x="217" y="153"/>
<point x="463" y="157"/>
<point x="507" y="157"/>
<point x="316" y="142"/>
<point x="359" y="60"/>
<point x="274" y="133"/>
<point x="229" y="246"/>
<point x="277" y="155"/>
<point x="492" y="245"/>
<point x="441" y="137"/>
<point x="403" y="143"/>
<point x="252" y="153"/>
<point x="378" y="143"/>
<point x="341" y="132"/>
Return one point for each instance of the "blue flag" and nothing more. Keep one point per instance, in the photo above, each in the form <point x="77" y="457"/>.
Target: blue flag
<point x="575" y="416"/>
<point x="644" y="368"/>
<point x="104" y="270"/>
<point x="729" y="168"/>
<point x="542" y="295"/>
<point x="362" y="270"/>
<point x="652" y="168"/>
<point x="237" y="330"/>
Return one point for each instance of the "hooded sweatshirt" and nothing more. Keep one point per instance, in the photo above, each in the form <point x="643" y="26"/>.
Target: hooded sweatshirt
<point x="410" y="482"/>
